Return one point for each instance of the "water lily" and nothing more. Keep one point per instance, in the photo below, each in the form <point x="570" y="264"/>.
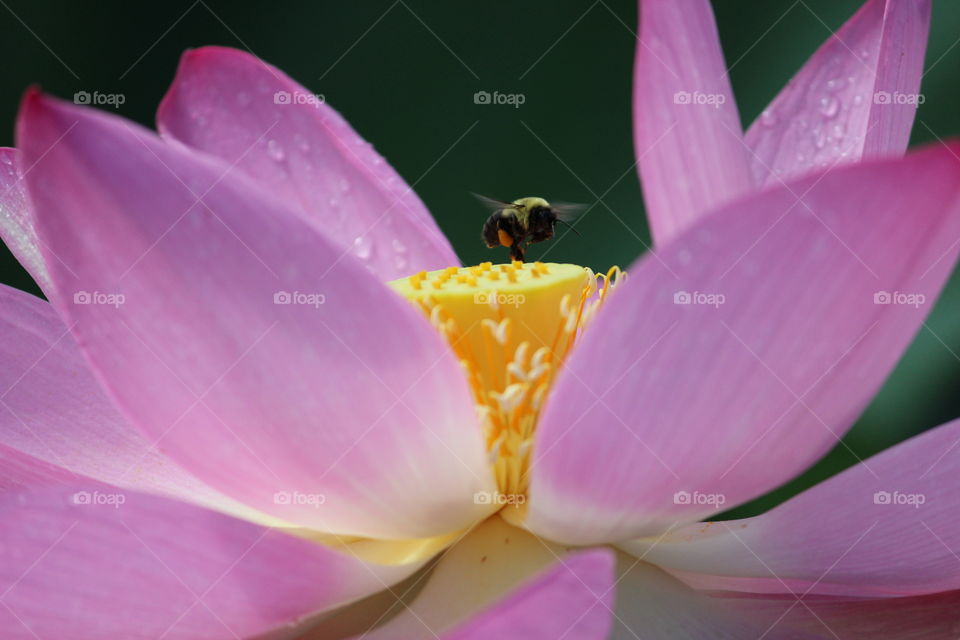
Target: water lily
<point x="265" y="396"/>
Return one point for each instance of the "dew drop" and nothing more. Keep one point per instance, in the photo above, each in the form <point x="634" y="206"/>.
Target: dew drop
<point x="398" y="246"/>
<point x="858" y="99"/>
<point x="829" y="106"/>
<point x="363" y="247"/>
<point x="275" y="151"/>
<point x="400" y="262"/>
<point x="768" y="118"/>
<point x="834" y="84"/>
<point x="301" y="142"/>
<point x="819" y="139"/>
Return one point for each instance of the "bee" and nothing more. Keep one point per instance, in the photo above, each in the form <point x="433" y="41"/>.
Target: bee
<point x="522" y="222"/>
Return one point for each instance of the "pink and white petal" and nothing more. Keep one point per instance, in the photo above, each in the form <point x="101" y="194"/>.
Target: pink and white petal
<point x="16" y="221"/>
<point x="572" y="600"/>
<point x="230" y="104"/>
<point x="54" y="410"/>
<point x="686" y="129"/>
<point x="889" y="526"/>
<point x="678" y="402"/>
<point x="243" y="342"/>
<point x="854" y="98"/>
<point x="88" y="564"/>
<point x="498" y="578"/>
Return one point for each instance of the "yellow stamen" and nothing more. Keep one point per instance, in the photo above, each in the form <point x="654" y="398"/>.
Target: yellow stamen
<point x="511" y="326"/>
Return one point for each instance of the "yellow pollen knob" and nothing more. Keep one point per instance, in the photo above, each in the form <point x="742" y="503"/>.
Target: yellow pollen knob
<point x="510" y="326"/>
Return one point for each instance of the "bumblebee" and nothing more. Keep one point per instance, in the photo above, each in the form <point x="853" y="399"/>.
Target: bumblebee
<point x="522" y="222"/>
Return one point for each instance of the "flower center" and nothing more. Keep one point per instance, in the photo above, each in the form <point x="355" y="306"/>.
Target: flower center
<point x="511" y="326"/>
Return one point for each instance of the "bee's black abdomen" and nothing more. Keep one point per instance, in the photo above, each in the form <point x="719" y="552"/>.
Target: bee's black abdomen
<point x="491" y="234"/>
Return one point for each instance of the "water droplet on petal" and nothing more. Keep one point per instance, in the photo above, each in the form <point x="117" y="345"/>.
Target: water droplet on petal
<point x="768" y="118"/>
<point x="301" y="142"/>
<point x="363" y="247"/>
<point x="858" y="99"/>
<point x="275" y="151"/>
<point x="829" y="106"/>
<point x="819" y="139"/>
<point x="834" y="84"/>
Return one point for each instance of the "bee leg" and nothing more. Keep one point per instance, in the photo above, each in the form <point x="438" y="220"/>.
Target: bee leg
<point x="516" y="252"/>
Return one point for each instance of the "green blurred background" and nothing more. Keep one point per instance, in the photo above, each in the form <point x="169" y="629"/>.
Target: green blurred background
<point x="404" y="74"/>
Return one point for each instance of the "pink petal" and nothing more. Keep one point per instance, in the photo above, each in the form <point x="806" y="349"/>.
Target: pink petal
<point x="725" y="401"/>
<point x="572" y="600"/>
<point x="888" y="526"/>
<point x="225" y="102"/>
<point x="687" y="130"/>
<point x="16" y="221"/>
<point x="498" y="575"/>
<point x="21" y="470"/>
<point x="930" y="617"/>
<point x="83" y="564"/>
<point x="53" y="412"/>
<point x="344" y="411"/>
<point x="835" y="109"/>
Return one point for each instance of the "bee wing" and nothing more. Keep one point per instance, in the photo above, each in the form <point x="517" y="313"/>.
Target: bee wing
<point x="569" y="211"/>
<point x="492" y="204"/>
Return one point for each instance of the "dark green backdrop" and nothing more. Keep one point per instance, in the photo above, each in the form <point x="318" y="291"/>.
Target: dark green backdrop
<point x="404" y="73"/>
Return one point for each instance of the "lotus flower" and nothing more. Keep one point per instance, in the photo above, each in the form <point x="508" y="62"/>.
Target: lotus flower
<point x="226" y="424"/>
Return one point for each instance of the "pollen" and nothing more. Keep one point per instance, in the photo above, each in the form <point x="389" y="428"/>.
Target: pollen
<point x="511" y="326"/>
